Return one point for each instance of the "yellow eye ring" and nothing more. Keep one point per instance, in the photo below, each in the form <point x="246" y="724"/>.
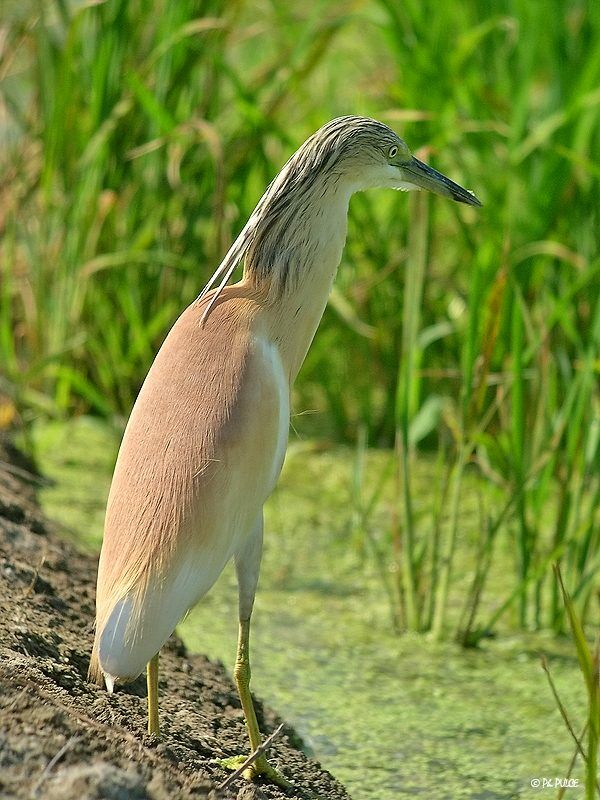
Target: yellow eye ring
<point x="393" y="151"/>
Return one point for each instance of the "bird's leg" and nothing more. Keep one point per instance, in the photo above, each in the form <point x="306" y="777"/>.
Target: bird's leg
<point x="152" y="683"/>
<point x="242" y="679"/>
<point x="242" y="674"/>
<point x="247" y="564"/>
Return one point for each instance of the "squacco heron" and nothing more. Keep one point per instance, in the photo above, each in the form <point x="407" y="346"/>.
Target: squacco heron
<point x="207" y="436"/>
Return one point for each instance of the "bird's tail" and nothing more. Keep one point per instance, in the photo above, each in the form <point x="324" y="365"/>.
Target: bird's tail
<point x="135" y="616"/>
<point x="95" y="674"/>
<point x="108" y="598"/>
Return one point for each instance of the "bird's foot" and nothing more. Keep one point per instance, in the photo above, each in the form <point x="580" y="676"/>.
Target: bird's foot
<point x="259" y="768"/>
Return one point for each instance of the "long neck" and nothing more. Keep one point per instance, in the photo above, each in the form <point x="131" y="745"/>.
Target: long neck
<point x="294" y="266"/>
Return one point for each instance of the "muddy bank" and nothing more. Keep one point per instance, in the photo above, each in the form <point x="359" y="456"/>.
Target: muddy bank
<point x="61" y="737"/>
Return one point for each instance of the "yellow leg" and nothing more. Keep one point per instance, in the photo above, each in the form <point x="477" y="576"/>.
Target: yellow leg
<point x="242" y="679"/>
<point x="242" y="674"/>
<point x="152" y="682"/>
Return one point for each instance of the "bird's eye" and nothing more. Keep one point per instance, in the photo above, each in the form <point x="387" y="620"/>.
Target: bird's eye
<point x="393" y="151"/>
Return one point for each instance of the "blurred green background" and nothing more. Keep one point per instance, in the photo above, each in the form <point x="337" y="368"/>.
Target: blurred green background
<point x="136" y="138"/>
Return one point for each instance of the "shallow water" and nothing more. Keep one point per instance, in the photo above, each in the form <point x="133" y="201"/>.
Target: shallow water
<point x="389" y="716"/>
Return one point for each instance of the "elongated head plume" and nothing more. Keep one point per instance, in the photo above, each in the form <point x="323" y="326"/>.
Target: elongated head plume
<point x="348" y="154"/>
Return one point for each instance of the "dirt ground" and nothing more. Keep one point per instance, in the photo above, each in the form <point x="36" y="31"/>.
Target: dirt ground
<point x="62" y="738"/>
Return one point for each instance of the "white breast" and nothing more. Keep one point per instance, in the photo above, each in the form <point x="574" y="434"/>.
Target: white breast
<point x="273" y="364"/>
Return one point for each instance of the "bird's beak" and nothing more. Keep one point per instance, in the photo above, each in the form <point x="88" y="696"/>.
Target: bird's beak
<point x="425" y="177"/>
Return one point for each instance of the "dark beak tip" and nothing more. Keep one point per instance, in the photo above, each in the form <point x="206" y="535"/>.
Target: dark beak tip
<point x="469" y="199"/>
<point x="429" y="178"/>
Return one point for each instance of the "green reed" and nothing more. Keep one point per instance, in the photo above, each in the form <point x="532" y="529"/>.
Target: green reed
<point x="140" y="146"/>
<point x="589" y="663"/>
<point x="137" y="137"/>
<point x="526" y="413"/>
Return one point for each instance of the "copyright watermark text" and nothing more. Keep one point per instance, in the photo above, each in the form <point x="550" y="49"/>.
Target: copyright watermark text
<point x="554" y="783"/>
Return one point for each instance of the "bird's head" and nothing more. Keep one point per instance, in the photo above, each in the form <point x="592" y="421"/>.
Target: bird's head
<point x="346" y="155"/>
<point x="366" y="153"/>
